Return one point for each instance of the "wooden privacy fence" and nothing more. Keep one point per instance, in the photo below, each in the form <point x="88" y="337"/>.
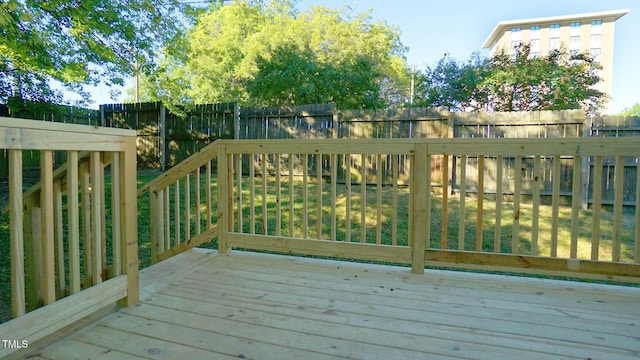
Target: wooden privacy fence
<point x="272" y="207"/>
<point x="71" y="253"/>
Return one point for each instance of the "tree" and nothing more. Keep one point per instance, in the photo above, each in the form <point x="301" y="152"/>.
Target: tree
<point x="632" y="111"/>
<point x="81" y="42"/>
<point x="514" y="82"/>
<point x="262" y="53"/>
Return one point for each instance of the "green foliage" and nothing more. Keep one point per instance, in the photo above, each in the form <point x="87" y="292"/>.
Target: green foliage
<point x="517" y="82"/>
<point x="80" y="42"/>
<point x="632" y="111"/>
<point x="270" y="54"/>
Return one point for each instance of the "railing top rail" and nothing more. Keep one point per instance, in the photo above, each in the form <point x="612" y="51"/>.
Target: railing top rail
<point x="487" y="146"/>
<point x="186" y="166"/>
<point x="42" y="135"/>
<point x="6" y="122"/>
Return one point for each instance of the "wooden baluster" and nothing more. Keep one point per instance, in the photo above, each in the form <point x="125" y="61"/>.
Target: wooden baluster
<point x="463" y="198"/>
<point x="17" y="236"/>
<point x="278" y="196"/>
<point x="535" y="226"/>
<point x="596" y="208"/>
<point x="319" y="196"/>
<point x="618" y="198"/>
<point x="116" y="215"/>
<point x="46" y="204"/>
<point x="363" y="198"/>
<point x="73" y="213"/>
<point x="497" y="240"/>
<point x="480" y="207"/>
<point x="555" y="203"/>
<point x="515" y="234"/>
<point x="347" y="160"/>
<point x="96" y="215"/>
<point x="576" y="186"/>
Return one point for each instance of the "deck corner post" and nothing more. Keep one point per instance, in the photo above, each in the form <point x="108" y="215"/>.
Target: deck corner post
<point x="225" y="191"/>
<point x="421" y="207"/>
<point x="129" y="226"/>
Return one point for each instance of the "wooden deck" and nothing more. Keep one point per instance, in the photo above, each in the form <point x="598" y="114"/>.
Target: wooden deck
<point x="199" y="305"/>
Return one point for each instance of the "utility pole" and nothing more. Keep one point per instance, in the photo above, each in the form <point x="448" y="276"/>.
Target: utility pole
<point x="412" y="83"/>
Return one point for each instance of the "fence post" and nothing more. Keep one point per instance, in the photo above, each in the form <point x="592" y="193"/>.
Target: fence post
<point x="163" y="137"/>
<point x="236" y="121"/>
<point x="421" y="206"/>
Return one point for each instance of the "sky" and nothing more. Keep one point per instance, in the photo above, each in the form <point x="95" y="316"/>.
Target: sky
<point x="459" y="27"/>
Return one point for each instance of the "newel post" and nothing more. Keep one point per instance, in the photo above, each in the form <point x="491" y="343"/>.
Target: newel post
<point x="225" y="192"/>
<point x="421" y="207"/>
<point x="129" y="218"/>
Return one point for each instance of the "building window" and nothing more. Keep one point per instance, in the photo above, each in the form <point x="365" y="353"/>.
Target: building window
<point x="534" y="32"/>
<point x="516" y="33"/>
<point x="596" y="39"/>
<point x="596" y="26"/>
<point x="595" y="54"/>
<point x="515" y="45"/>
<point x="554" y="43"/>
<point x="575" y="24"/>
<point x="574" y="52"/>
<point x="574" y="40"/>
<point x="535" y="44"/>
<point x="555" y="30"/>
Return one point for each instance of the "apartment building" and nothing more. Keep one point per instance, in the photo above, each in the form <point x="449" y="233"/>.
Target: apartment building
<point x="590" y="32"/>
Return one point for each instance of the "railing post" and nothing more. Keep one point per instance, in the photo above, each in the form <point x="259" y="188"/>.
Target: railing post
<point x="421" y="206"/>
<point x="225" y="192"/>
<point x="16" y="233"/>
<point x="129" y="219"/>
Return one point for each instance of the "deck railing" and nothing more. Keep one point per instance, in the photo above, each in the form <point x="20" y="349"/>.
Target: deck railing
<point x="348" y="199"/>
<point x="71" y="253"/>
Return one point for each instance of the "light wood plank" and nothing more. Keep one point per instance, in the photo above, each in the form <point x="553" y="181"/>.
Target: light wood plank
<point x="555" y="203"/>
<point x="263" y="173"/>
<point x="394" y="200"/>
<point x="617" y="208"/>
<point x="73" y="214"/>
<point x="198" y="200"/>
<point x="480" y="203"/>
<point x="497" y="240"/>
<point x="116" y="215"/>
<point x="291" y="196"/>
<point x="278" y="230"/>
<point x="463" y="202"/>
<point x="535" y="212"/>
<point x="59" y="240"/>
<point x="44" y="321"/>
<point x="445" y="203"/>
<point x="187" y="207"/>
<point x="636" y="253"/>
<point x="16" y="233"/>
<point x="318" y="196"/>
<point x="46" y="205"/>
<point x="305" y="196"/>
<point x="334" y="179"/>
<point x="97" y="193"/>
<point x="515" y="233"/>
<point x="596" y="208"/>
<point x="363" y="198"/>
<point x="421" y="202"/>
<point x="176" y="212"/>
<point x="208" y="194"/>
<point x="347" y="215"/>
<point x="378" y="199"/>
<point x="576" y="186"/>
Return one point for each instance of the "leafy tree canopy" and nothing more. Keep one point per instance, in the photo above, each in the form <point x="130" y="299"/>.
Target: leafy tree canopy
<point x="517" y="82"/>
<point x="632" y="111"/>
<point x="263" y="53"/>
<point x="79" y="42"/>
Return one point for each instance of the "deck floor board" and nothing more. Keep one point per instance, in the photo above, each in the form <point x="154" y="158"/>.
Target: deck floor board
<point x="256" y="306"/>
